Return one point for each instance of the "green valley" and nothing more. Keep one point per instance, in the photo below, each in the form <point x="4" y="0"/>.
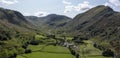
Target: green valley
<point x="92" y="34"/>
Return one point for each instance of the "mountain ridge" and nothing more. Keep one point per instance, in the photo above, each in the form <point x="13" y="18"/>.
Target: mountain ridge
<point x="49" y="22"/>
<point x="81" y="20"/>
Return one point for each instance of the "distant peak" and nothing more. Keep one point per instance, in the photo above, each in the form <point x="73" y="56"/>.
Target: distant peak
<point x="99" y="9"/>
<point x="101" y="6"/>
<point x="104" y="7"/>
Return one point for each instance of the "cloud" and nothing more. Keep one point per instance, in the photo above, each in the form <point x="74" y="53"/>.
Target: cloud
<point x="68" y="8"/>
<point x="83" y="6"/>
<point x="66" y="2"/>
<point x="38" y="14"/>
<point x="8" y="2"/>
<point x="108" y="4"/>
<point x="113" y="3"/>
<point x="80" y="7"/>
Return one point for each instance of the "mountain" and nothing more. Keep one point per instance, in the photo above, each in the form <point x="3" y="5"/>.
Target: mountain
<point x="85" y="20"/>
<point x="49" y="22"/>
<point x="12" y="24"/>
<point x="14" y="20"/>
<point x="15" y="31"/>
<point x="56" y="20"/>
<point x="100" y="23"/>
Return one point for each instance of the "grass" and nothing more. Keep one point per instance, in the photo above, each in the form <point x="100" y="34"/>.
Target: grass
<point x="89" y="51"/>
<point x="50" y="51"/>
<point x="58" y="49"/>
<point x="45" y="55"/>
<point x="38" y="37"/>
<point x="69" y="38"/>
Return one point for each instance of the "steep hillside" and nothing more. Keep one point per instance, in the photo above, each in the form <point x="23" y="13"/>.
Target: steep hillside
<point x="15" y="31"/>
<point x="84" y="20"/>
<point x="97" y="20"/>
<point x="100" y="23"/>
<point x="14" y="20"/>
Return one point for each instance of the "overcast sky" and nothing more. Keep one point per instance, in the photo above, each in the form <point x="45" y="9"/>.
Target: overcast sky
<point x="62" y="7"/>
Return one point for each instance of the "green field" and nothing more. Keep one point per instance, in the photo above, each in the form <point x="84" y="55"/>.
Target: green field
<point x="89" y="51"/>
<point x="43" y="51"/>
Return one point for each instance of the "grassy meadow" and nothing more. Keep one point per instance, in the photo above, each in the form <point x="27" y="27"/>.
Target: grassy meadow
<point x="44" y="50"/>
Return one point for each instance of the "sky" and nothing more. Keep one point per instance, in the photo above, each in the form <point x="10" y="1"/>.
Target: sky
<point x="69" y="8"/>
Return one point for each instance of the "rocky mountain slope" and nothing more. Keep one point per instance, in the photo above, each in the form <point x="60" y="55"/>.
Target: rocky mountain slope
<point x="102" y="24"/>
<point x="100" y="17"/>
<point x="13" y="20"/>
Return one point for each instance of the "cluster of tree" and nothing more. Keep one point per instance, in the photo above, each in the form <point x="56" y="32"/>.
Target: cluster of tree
<point x="106" y="52"/>
<point x="116" y="46"/>
<point x="5" y="35"/>
<point x="10" y="50"/>
<point x="111" y="36"/>
<point x="13" y="43"/>
<point x="73" y="52"/>
<point x="79" y="39"/>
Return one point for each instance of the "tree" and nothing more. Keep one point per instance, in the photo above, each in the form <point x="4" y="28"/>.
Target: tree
<point x="108" y="53"/>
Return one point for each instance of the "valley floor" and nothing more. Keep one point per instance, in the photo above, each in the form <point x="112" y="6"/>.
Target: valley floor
<point x="50" y="51"/>
<point x="43" y="51"/>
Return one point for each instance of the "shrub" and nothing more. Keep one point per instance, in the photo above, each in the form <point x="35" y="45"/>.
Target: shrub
<point x="13" y="56"/>
<point x="24" y="46"/>
<point x="35" y="42"/>
<point x="28" y="51"/>
<point x="108" y="53"/>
